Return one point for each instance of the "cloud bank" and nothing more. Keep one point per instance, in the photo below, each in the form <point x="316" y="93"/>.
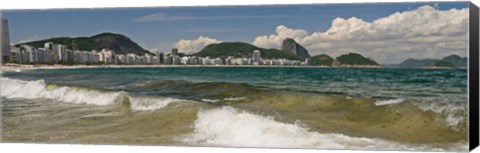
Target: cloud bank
<point x="424" y="32"/>
<point x="192" y="46"/>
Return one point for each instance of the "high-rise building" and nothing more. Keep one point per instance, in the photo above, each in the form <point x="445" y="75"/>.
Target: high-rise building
<point x="4" y="39"/>
<point x="256" y="57"/>
<point x="174" y="51"/>
<point x="58" y="52"/>
<point x="48" y="45"/>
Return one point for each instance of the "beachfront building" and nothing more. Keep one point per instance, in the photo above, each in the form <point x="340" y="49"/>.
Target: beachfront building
<point x="58" y="52"/>
<point x="48" y="45"/>
<point x="95" y="58"/>
<point x="161" y="58"/>
<point x="176" y="60"/>
<point x="256" y="57"/>
<point x="4" y="39"/>
<point x="68" y="57"/>
<point x="119" y="59"/>
<point x="79" y="58"/>
<point x="107" y="56"/>
<point x="239" y="61"/>
<point x="174" y="51"/>
<point x="306" y="62"/>
<point x="130" y="58"/>
<point x="27" y="54"/>
<point x="148" y="58"/>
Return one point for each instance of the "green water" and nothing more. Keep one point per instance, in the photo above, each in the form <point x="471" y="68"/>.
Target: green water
<point x="338" y="108"/>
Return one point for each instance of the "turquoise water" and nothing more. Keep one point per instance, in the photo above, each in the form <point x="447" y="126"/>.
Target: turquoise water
<point x="398" y="109"/>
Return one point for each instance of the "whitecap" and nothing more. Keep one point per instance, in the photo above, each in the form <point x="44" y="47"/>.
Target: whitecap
<point x="228" y="126"/>
<point x="388" y="102"/>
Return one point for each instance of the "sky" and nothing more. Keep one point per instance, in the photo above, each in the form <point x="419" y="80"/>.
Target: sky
<point x="386" y="32"/>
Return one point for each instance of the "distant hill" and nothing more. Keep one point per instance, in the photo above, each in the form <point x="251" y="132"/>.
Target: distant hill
<point x="453" y="61"/>
<point x="120" y="44"/>
<point x="417" y="63"/>
<point x="321" y="60"/>
<point x="443" y="64"/>
<point x="456" y="61"/>
<point x="354" y="60"/>
<point x="293" y="47"/>
<point x="240" y="49"/>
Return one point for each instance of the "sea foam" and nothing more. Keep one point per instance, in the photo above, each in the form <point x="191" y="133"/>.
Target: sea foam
<point x="13" y="88"/>
<point x="150" y="103"/>
<point x="228" y="126"/>
<point x="388" y="102"/>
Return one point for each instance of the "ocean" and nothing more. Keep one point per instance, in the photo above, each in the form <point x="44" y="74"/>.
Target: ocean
<point x="275" y="107"/>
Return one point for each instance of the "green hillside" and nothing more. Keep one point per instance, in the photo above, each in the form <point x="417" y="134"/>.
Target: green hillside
<point x="443" y="64"/>
<point x="354" y="59"/>
<point x="120" y="44"/>
<point x="321" y="60"/>
<point x="239" y="49"/>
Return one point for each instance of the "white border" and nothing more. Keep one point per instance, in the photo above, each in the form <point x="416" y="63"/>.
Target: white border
<point x="48" y="4"/>
<point x="57" y="4"/>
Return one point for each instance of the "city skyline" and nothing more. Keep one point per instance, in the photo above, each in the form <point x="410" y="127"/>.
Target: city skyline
<point x="191" y="28"/>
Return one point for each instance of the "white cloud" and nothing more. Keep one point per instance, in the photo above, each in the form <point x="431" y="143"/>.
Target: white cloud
<point x="193" y="46"/>
<point x="424" y="32"/>
<point x="282" y="32"/>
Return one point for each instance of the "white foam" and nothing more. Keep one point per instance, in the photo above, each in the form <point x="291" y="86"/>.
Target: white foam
<point x="12" y="88"/>
<point x="210" y="100"/>
<point x="388" y="102"/>
<point x="98" y="115"/>
<point x="234" y="98"/>
<point x="454" y="113"/>
<point x="229" y="127"/>
<point x="150" y="103"/>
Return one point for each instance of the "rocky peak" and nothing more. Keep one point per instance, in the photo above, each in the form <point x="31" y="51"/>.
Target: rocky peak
<point x="292" y="46"/>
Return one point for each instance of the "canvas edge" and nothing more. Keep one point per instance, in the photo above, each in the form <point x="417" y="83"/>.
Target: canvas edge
<point x="473" y="76"/>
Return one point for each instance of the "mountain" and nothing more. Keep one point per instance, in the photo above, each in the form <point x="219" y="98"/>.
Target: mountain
<point x="321" y="60"/>
<point x="456" y="61"/>
<point x="442" y="64"/>
<point x="417" y="63"/>
<point x="354" y="60"/>
<point x="239" y="49"/>
<point x="120" y="44"/>
<point x="293" y="47"/>
<point x="453" y="61"/>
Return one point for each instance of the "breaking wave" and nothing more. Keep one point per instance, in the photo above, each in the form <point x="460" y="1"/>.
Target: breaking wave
<point x="388" y="102"/>
<point x="227" y="126"/>
<point x="12" y="88"/>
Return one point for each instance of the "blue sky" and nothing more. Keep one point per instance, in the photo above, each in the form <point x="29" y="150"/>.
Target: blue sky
<point x="162" y="27"/>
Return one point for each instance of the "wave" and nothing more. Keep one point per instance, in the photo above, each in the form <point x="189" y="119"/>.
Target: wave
<point x="13" y="88"/>
<point x="388" y="102"/>
<point x="228" y="126"/>
<point x="151" y="103"/>
<point x="199" y="90"/>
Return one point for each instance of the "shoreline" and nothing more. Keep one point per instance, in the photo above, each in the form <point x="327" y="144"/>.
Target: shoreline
<point x="18" y="67"/>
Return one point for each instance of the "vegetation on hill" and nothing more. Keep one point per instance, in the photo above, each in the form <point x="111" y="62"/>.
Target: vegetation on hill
<point x="354" y="59"/>
<point x="456" y="61"/>
<point x="443" y="64"/>
<point x="239" y="49"/>
<point x="321" y="60"/>
<point x="448" y="61"/>
<point x="120" y="44"/>
<point x="417" y="63"/>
